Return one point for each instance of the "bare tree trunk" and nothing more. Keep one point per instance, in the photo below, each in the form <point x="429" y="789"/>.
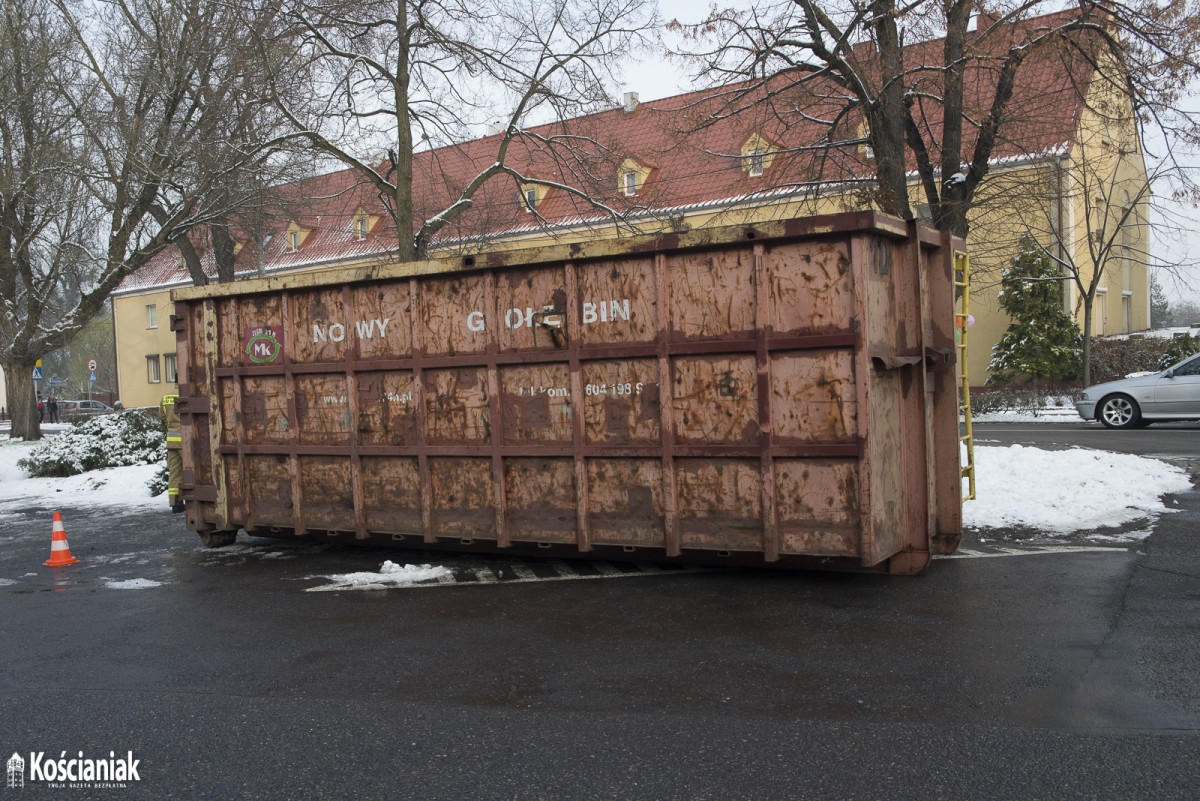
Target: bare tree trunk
<point x="25" y="423"/>
<point x="1087" y="340"/>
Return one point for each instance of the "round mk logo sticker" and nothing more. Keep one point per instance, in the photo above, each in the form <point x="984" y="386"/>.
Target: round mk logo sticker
<point x="261" y="345"/>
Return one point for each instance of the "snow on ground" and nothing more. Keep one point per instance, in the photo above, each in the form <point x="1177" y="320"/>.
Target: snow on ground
<point x="389" y="575"/>
<point x="133" y="584"/>
<point x="123" y="487"/>
<point x="1047" y="414"/>
<point x="1057" y="492"/>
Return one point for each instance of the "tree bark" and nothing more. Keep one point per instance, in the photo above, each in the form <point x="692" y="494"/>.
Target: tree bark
<point x="24" y="413"/>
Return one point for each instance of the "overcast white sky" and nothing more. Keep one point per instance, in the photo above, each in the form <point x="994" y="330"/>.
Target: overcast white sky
<point x="657" y="77"/>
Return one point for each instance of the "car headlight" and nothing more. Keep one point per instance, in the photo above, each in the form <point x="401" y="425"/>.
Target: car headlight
<point x="1084" y="396"/>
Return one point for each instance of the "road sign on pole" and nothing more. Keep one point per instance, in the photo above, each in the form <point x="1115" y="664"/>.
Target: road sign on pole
<point x="37" y="373"/>
<point x="92" y="367"/>
<point x="92" y="375"/>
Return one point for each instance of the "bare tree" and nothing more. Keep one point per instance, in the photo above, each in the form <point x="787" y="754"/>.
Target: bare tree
<point x="122" y="127"/>
<point x="930" y="87"/>
<point x="405" y="77"/>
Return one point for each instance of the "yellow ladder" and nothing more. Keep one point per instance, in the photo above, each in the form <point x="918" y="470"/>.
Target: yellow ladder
<point x="962" y="282"/>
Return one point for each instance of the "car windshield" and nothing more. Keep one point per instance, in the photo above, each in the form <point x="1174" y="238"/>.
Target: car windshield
<point x="1189" y="367"/>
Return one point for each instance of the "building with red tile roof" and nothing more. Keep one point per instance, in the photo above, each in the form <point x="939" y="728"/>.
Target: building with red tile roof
<point x="681" y="162"/>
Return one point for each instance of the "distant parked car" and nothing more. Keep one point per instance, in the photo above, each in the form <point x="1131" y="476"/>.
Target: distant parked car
<point x="1173" y="394"/>
<point x="72" y="411"/>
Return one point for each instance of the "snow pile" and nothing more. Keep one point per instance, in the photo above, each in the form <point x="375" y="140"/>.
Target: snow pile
<point x="121" y="487"/>
<point x="1058" y="492"/>
<point x="389" y="575"/>
<point x="133" y="584"/>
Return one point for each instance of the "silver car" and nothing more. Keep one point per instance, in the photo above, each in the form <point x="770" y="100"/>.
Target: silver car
<point x="1173" y="394"/>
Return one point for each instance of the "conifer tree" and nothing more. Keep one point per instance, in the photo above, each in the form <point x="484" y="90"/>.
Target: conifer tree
<point x="1043" y="342"/>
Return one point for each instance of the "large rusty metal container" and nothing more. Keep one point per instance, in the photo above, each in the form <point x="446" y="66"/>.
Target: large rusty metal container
<point x="781" y="394"/>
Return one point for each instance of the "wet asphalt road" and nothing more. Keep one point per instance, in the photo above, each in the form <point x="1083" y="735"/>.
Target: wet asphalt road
<point x="1053" y="674"/>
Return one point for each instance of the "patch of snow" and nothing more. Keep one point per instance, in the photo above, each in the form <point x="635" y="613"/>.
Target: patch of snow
<point x="133" y="584"/>
<point x="114" y="486"/>
<point x="1059" y="492"/>
<point x="389" y="575"/>
<point x="7" y="582"/>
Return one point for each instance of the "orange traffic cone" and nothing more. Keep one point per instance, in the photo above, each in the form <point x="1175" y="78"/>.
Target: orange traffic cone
<point x="60" y="552"/>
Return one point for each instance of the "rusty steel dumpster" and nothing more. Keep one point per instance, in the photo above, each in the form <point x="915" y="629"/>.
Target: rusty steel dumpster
<point x="781" y="394"/>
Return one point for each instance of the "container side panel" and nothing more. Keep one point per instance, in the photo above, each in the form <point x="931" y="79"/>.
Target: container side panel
<point x="531" y="310"/>
<point x="817" y="504"/>
<point x="813" y="396"/>
<point x="321" y="329"/>
<point x="454" y="316"/>
<point x="237" y="489"/>
<point x="382" y="326"/>
<point x="322" y="409"/>
<point x="263" y="413"/>
<point x="712" y="294"/>
<point x="541" y="499"/>
<point x="535" y="403"/>
<point x="202" y="468"/>
<point x="463" y="492"/>
<point x="328" y="502"/>
<point x="811" y="287"/>
<point x="715" y="400"/>
<point x="269" y="483"/>
<point x="621" y="402"/>
<point x="626" y="501"/>
<point x="392" y="495"/>
<point x="719" y="504"/>
<point x="200" y="384"/>
<point x="456" y="406"/>
<point x="386" y="408"/>
<point x="617" y="302"/>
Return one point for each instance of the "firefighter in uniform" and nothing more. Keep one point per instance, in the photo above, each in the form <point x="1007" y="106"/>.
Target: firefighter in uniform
<point x="170" y="418"/>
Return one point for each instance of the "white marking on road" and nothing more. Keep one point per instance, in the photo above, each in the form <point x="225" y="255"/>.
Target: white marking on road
<point x="968" y="553"/>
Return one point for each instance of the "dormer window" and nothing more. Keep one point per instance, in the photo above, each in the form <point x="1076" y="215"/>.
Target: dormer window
<point x="360" y="228"/>
<point x="757" y="154"/>
<point x="630" y="183"/>
<point x="293" y="239"/>
<point x="530" y="199"/>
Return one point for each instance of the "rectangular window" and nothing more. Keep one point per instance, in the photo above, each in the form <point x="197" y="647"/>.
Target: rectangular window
<point x="153" y="374"/>
<point x="360" y="228"/>
<point x="530" y="199"/>
<point x="756" y="164"/>
<point x="152" y="315"/>
<point x="631" y="183"/>
<point x="294" y="241"/>
<point x="169" y="364"/>
<point x="1127" y="311"/>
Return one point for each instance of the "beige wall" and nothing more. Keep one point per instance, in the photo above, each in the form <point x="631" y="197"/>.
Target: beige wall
<point x="136" y="340"/>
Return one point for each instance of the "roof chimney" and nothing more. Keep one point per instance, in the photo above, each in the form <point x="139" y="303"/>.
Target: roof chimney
<point x="630" y="102"/>
<point x="495" y="127"/>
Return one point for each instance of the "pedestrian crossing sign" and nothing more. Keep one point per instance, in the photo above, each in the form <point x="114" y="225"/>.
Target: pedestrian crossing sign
<point x="37" y="374"/>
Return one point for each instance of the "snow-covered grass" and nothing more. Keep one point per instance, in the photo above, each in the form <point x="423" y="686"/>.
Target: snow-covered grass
<point x="1059" y="492"/>
<point x="122" y="487"/>
<point x="111" y="440"/>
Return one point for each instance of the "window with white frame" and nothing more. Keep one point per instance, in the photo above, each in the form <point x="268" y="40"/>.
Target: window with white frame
<point x="530" y="199"/>
<point x="360" y="227"/>
<point x="630" y="183"/>
<point x="153" y="370"/>
<point x="171" y="370"/>
<point x="293" y="241"/>
<point x="152" y="315"/>
<point x="756" y="163"/>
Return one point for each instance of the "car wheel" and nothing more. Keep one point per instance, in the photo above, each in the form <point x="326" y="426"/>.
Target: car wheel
<point x="1119" y="411"/>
